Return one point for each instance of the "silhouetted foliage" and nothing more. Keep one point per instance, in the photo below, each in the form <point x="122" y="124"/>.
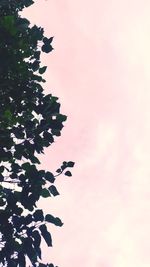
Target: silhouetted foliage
<point x="29" y="121"/>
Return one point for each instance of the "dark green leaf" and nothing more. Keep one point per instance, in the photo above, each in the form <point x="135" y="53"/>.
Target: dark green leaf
<point x="58" y="170"/>
<point x="46" y="235"/>
<point x="26" y="166"/>
<point x="18" y="211"/>
<point x="51" y="39"/>
<point x="41" y="173"/>
<point x="1" y="169"/>
<point x="49" y="177"/>
<point x="42" y="70"/>
<point x="48" y="136"/>
<point x="70" y="164"/>
<point x="35" y="65"/>
<point x="47" y="40"/>
<point x="42" y="265"/>
<point x="61" y="117"/>
<point x="68" y="173"/>
<point x="28" y="219"/>
<point x="47" y="48"/>
<point x="15" y="167"/>
<point x="2" y="202"/>
<point x="56" y="132"/>
<point x="34" y="159"/>
<point x="37" y="55"/>
<point x="37" y="238"/>
<point x="45" y="193"/>
<point x="38" y="215"/>
<point x="29" y="249"/>
<point x="55" y="220"/>
<point x="53" y="190"/>
<point x="1" y="178"/>
<point x="21" y="259"/>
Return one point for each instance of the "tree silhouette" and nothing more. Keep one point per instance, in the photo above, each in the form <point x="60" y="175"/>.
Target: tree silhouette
<point x="29" y="122"/>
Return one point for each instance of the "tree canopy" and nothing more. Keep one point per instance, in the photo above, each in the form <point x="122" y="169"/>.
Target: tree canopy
<point x="29" y="121"/>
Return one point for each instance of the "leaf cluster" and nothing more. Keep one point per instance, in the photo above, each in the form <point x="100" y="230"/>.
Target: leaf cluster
<point x="29" y="122"/>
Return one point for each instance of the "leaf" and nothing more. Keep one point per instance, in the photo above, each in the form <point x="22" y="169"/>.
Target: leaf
<point x="53" y="190"/>
<point x="37" y="78"/>
<point x="37" y="239"/>
<point x="48" y="40"/>
<point x="1" y="178"/>
<point x="29" y="249"/>
<point x="56" y="132"/>
<point x="42" y="70"/>
<point x="68" y="173"/>
<point x="8" y="23"/>
<point x="37" y="55"/>
<point x="47" y="48"/>
<point x="2" y="202"/>
<point x="35" y="65"/>
<point x="18" y="211"/>
<point x="18" y="133"/>
<point x="15" y="167"/>
<point x="58" y="170"/>
<point x="46" y="235"/>
<point x="55" y="220"/>
<point x="45" y="40"/>
<point x="48" y="136"/>
<point x="1" y="169"/>
<point x="49" y="177"/>
<point x="64" y="166"/>
<point x="8" y="114"/>
<point x="51" y="39"/>
<point x="34" y="159"/>
<point x="26" y="166"/>
<point x="42" y="265"/>
<point x="70" y="164"/>
<point x="21" y="259"/>
<point x="61" y="117"/>
<point x="41" y="173"/>
<point x="28" y="219"/>
<point x="45" y="193"/>
<point x="38" y="215"/>
<point x="38" y="251"/>
<point x="8" y="20"/>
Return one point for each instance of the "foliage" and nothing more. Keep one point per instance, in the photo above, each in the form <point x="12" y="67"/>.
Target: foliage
<point x="29" y="122"/>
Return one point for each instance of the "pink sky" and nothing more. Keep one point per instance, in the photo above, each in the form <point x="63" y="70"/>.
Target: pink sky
<point x="100" y="70"/>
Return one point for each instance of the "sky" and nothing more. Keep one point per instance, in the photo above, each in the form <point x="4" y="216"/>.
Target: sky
<point x="100" y="70"/>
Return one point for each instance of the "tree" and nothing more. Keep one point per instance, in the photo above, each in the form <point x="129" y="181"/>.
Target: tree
<point x="29" y="122"/>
